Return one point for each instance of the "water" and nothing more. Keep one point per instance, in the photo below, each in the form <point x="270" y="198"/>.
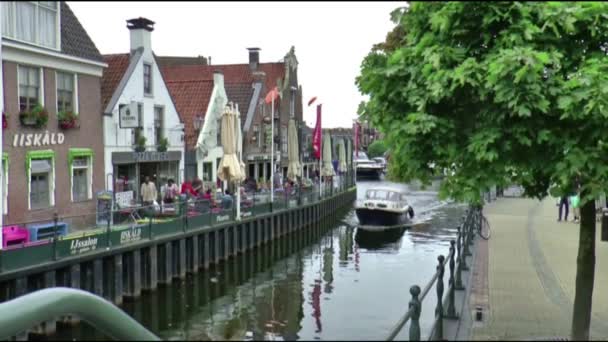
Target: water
<point x="346" y="286"/>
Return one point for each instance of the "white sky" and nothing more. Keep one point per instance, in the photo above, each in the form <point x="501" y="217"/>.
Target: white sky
<point x="330" y="39"/>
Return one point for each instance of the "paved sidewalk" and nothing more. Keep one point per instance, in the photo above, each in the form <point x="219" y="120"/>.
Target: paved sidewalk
<point x="527" y="289"/>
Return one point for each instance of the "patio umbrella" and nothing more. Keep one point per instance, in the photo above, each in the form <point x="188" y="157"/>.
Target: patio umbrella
<point x="239" y="140"/>
<point x="293" y="169"/>
<point x="342" y="166"/>
<point x="327" y="169"/>
<point x="230" y="167"/>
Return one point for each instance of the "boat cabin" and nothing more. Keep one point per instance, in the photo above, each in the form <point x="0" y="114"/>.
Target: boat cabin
<point x="386" y="195"/>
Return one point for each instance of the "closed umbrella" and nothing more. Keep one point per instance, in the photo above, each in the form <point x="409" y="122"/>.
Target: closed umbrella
<point x="327" y="169"/>
<point x="230" y="167"/>
<point x="342" y="166"/>
<point x="293" y="169"/>
<point x="239" y="140"/>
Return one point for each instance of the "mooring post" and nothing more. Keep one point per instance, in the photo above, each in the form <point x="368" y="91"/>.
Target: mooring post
<point x="458" y="283"/>
<point x="416" y="308"/>
<point x="451" y="312"/>
<point x="439" y="309"/>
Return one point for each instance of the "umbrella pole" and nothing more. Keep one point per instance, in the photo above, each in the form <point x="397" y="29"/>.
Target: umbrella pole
<point x="238" y="201"/>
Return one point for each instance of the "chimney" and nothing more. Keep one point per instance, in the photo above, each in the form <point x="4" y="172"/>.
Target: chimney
<point x="218" y="78"/>
<point x="140" y="29"/>
<point x="209" y="60"/>
<point x="254" y="58"/>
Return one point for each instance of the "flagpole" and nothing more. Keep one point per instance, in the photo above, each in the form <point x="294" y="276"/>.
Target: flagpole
<point x="272" y="151"/>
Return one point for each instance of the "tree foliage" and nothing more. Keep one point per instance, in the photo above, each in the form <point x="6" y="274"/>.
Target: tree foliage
<point x="494" y="93"/>
<point x="376" y="149"/>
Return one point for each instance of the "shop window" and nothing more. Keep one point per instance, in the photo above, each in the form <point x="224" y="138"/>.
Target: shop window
<point x="29" y="88"/>
<point x="147" y="79"/>
<point x="81" y="164"/>
<point x="125" y="182"/>
<point x="35" y="22"/>
<point x="66" y="101"/>
<point x="5" y="183"/>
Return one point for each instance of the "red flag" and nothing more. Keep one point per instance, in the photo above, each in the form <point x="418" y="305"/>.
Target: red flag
<point x="313" y="99"/>
<point x="272" y="95"/>
<point x="316" y="138"/>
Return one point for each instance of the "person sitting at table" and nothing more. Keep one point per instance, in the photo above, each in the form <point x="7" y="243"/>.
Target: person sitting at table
<point x="207" y="196"/>
<point x="227" y="200"/>
<point x="187" y="187"/>
<point x="197" y="186"/>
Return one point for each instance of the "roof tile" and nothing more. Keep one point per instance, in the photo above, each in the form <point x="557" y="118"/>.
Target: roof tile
<point x="117" y="66"/>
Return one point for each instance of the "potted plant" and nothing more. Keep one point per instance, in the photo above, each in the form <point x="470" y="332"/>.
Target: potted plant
<point x="67" y="119"/>
<point x="37" y="117"/>
<point x="140" y="145"/>
<point x="163" y="144"/>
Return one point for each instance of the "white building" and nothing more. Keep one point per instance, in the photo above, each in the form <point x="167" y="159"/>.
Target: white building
<point x="136" y="103"/>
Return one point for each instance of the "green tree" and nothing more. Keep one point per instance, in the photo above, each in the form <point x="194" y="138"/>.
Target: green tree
<point x="376" y="149"/>
<point x="498" y="93"/>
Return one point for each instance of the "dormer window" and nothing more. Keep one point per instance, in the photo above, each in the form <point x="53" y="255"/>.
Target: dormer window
<point x="34" y="22"/>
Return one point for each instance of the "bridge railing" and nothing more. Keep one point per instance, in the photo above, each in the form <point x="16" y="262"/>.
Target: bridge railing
<point x="456" y="261"/>
<point x="23" y="312"/>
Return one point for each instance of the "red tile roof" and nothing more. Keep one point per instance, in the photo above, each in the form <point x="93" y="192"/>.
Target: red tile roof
<point x="191" y="86"/>
<point x="117" y="66"/>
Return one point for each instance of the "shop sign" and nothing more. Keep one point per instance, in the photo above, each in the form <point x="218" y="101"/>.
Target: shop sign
<point x="124" y="199"/>
<point x="79" y="246"/>
<point x="245" y="214"/>
<point x="131" y="235"/>
<point x="222" y="218"/>
<point x="128" y="117"/>
<point x="150" y="156"/>
<point x="38" y="139"/>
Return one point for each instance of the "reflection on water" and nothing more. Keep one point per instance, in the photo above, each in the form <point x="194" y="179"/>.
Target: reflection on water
<point x="347" y="284"/>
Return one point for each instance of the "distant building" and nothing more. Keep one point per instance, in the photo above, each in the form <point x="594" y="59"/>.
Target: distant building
<point x="367" y="134"/>
<point x="136" y="105"/>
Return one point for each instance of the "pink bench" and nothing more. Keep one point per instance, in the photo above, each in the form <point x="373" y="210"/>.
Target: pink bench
<point x="14" y="235"/>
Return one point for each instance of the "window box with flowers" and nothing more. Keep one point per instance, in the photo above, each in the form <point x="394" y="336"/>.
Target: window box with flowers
<point x="4" y="120"/>
<point x="36" y="117"/>
<point x="163" y="145"/>
<point x="67" y="119"/>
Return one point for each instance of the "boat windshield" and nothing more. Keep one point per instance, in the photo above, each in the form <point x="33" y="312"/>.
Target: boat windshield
<point x="383" y="195"/>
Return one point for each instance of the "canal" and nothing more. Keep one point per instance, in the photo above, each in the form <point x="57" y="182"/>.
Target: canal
<point x="345" y="285"/>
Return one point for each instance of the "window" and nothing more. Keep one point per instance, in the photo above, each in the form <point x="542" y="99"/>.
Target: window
<point x="147" y="79"/>
<point x="80" y="179"/>
<point x="258" y="135"/>
<point x="35" y="22"/>
<point x="29" y="87"/>
<point x="284" y="141"/>
<point x="219" y="132"/>
<point x="292" y="103"/>
<point x="39" y="186"/>
<point x="158" y="123"/>
<point x="65" y="92"/>
<point x="208" y="172"/>
<point x="136" y="132"/>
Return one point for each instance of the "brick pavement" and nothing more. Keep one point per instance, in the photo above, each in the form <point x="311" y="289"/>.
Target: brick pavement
<point x="527" y="288"/>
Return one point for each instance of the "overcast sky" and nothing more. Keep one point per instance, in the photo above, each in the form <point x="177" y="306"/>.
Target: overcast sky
<point x="330" y="39"/>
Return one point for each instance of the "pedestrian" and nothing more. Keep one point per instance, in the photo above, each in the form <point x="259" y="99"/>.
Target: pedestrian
<point x="227" y="200"/>
<point x="575" y="202"/>
<point x="171" y="191"/>
<point x="148" y="192"/>
<point x="563" y="202"/>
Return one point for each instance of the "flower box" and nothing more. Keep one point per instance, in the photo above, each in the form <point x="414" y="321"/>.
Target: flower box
<point x="37" y="117"/>
<point x="67" y="119"/>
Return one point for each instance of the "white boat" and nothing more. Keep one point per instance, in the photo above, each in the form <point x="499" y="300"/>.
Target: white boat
<point x="383" y="208"/>
<point x="367" y="167"/>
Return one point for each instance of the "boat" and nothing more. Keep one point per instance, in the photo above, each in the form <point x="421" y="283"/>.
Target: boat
<point x="366" y="167"/>
<point x="383" y="208"/>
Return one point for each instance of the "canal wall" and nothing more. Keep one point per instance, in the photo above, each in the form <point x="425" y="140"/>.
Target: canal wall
<point x="119" y="265"/>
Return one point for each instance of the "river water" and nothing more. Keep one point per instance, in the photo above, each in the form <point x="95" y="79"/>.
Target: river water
<point x="346" y="286"/>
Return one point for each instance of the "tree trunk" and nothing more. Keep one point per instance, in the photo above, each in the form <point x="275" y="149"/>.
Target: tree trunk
<point x="585" y="273"/>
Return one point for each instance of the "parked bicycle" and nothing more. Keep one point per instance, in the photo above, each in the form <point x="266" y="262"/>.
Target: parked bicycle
<point x="482" y="226"/>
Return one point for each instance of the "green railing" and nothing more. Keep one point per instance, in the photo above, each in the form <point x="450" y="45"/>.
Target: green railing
<point x="22" y="313"/>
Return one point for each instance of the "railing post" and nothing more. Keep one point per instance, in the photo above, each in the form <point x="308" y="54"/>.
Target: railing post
<point x="467" y="237"/>
<point x="461" y="263"/>
<point x="416" y="308"/>
<point x="439" y="309"/>
<point x="451" y="312"/>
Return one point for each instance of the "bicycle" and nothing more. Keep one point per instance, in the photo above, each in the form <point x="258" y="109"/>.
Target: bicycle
<point x="483" y="227"/>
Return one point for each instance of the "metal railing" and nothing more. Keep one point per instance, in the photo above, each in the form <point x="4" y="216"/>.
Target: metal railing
<point x="456" y="260"/>
<point x="51" y="240"/>
<point x="22" y="313"/>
